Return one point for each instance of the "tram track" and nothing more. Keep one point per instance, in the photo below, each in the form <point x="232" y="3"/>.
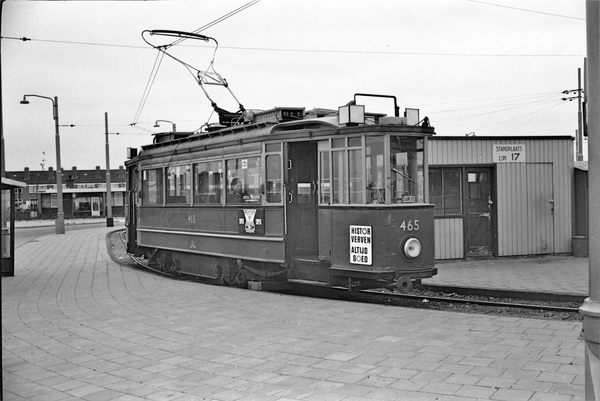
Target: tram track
<point x="467" y="301"/>
<point x="478" y="304"/>
<point x="543" y="306"/>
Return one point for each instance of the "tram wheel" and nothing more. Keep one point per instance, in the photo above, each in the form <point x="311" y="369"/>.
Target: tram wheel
<point x="404" y="284"/>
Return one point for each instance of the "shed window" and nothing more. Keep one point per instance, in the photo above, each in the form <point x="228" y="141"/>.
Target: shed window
<point x="445" y="190"/>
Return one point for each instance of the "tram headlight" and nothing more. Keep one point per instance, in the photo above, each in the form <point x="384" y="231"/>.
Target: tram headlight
<point x="412" y="248"/>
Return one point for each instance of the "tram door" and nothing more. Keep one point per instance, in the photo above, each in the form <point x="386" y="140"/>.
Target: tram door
<point x="131" y="210"/>
<point x="302" y="201"/>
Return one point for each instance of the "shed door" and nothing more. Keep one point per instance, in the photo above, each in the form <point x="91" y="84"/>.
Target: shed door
<point x="540" y="208"/>
<point x="479" y="212"/>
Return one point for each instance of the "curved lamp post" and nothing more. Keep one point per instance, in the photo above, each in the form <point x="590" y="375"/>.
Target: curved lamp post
<point x="156" y="125"/>
<point x="60" y="216"/>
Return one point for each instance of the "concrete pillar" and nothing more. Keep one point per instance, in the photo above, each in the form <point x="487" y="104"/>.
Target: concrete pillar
<point x="591" y="306"/>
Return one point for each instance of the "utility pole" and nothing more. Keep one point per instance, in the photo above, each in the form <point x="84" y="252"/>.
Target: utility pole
<point x="579" y="119"/>
<point x="581" y="123"/>
<point x="109" y="218"/>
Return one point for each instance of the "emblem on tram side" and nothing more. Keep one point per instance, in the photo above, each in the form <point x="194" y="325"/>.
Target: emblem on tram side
<point x="250" y="221"/>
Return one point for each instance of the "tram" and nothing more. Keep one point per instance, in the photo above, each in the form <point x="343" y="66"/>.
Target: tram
<point x="266" y="199"/>
<point x="324" y="197"/>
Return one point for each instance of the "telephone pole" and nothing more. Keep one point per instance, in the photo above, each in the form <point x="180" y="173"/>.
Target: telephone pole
<point x="581" y="123"/>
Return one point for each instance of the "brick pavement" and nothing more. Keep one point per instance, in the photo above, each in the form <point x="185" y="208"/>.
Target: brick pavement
<point x="547" y="274"/>
<point x="77" y="326"/>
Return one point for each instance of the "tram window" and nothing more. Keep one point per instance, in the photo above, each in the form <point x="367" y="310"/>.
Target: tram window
<point x="339" y="177"/>
<point x="243" y="180"/>
<point x="325" y="178"/>
<point x="355" y="141"/>
<point x="445" y="190"/>
<point x="355" y="168"/>
<point x="152" y="187"/>
<point x="207" y="184"/>
<point x="273" y="147"/>
<point x="274" y="181"/>
<point x="338" y="142"/>
<point x="179" y="185"/>
<point x="406" y="164"/>
<point x="374" y="152"/>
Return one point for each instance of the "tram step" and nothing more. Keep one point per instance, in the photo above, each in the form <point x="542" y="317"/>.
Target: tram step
<point x="365" y="274"/>
<point x="267" y="285"/>
<point x="308" y="282"/>
<point x="309" y="269"/>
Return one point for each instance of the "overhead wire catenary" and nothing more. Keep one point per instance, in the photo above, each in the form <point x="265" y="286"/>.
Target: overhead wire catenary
<point x="153" y="73"/>
<point x="162" y="52"/>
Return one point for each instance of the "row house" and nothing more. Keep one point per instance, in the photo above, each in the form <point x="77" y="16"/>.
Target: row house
<point x="84" y="192"/>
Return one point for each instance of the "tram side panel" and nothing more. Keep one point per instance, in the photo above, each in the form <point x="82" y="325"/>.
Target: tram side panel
<point x="190" y="234"/>
<point x="372" y="239"/>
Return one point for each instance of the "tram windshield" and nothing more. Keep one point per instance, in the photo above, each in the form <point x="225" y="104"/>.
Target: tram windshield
<point x="385" y="169"/>
<point x="406" y="166"/>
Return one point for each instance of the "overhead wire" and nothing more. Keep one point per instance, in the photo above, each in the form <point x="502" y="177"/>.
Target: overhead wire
<point x="525" y="10"/>
<point x="149" y="84"/>
<point x="218" y="20"/>
<point x="480" y="114"/>
<point x="536" y="117"/>
<point x="491" y="98"/>
<point x="514" y="104"/>
<point x="249" y="4"/>
<point x="473" y="116"/>
<point x="324" y="51"/>
<point x="190" y="68"/>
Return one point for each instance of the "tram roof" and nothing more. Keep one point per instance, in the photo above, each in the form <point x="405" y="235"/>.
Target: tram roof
<point x="243" y="131"/>
<point x="244" y="134"/>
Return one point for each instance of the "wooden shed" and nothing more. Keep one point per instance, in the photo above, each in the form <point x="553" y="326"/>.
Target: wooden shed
<point x="501" y="196"/>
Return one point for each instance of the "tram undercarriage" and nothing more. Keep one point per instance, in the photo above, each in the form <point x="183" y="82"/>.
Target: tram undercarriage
<point x="218" y="270"/>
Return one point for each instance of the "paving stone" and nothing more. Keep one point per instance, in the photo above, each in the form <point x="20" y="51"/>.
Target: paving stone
<point x="78" y="326"/>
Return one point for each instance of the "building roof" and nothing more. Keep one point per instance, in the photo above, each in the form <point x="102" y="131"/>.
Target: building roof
<point x="41" y="177"/>
<point x="502" y="138"/>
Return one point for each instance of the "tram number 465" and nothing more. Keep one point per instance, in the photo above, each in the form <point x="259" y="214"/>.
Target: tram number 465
<point x="410" y="225"/>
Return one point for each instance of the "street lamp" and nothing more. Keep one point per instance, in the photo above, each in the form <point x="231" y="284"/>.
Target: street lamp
<point x="156" y="125"/>
<point x="109" y="218"/>
<point x="60" y="216"/>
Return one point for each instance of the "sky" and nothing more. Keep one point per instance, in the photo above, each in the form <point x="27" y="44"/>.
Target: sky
<point x="491" y="68"/>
